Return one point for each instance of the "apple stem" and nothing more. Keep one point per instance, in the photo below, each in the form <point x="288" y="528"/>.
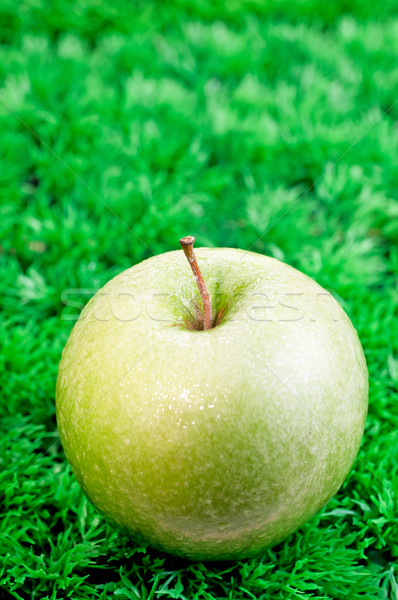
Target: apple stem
<point x="187" y="245"/>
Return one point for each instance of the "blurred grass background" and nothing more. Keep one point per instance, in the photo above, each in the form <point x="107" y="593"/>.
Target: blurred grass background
<point x="125" y="125"/>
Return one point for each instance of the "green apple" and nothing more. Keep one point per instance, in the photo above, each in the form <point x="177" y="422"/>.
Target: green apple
<point x="211" y="443"/>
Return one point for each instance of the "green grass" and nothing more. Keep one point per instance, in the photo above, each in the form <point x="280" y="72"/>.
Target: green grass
<point x="262" y="125"/>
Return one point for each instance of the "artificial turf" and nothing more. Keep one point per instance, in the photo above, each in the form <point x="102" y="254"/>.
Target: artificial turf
<point x="253" y="124"/>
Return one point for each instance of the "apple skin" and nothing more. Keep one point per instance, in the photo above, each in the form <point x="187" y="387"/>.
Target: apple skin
<point x="212" y="444"/>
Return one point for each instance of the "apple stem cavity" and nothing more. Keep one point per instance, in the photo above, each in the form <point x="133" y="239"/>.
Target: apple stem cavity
<point x="187" y="246"/>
